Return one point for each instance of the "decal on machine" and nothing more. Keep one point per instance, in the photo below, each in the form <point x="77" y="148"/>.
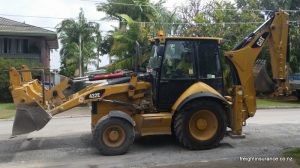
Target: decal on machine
<point x="95" y="95"/>
<point x="260" y="41"/>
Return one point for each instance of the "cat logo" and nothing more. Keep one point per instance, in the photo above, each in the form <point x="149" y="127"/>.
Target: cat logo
<point x="260" y="41"/>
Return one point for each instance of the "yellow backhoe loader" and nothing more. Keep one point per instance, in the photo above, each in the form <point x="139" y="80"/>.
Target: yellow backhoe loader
<point x="182" y="92"/>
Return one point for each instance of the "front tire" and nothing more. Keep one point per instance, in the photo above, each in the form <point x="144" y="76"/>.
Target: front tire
<point x="200" y="125"/>
<point x="113" y="136"/>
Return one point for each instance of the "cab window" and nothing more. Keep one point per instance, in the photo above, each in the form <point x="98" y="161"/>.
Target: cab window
<point x="178" y="60"/>
<point x="209" y="63"/>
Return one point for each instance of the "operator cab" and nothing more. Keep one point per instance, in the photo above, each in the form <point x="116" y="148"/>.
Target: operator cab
<point x="176" y="63"/>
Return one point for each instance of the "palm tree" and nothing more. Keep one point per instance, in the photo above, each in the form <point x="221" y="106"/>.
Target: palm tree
<point x="78" y="40"/>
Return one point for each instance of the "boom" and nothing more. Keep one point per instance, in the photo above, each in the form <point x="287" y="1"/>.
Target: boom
<point x="274" y="33"/>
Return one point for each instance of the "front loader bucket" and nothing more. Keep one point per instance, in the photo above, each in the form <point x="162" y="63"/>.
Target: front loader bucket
<point x="29" y="118"/>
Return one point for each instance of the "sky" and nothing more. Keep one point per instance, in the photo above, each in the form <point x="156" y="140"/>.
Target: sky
<point x="59" y="9"/>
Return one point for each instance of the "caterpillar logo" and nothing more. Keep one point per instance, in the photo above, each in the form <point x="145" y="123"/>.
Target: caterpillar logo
<point x="260" y="41"/>
<point x="95" y="95"/>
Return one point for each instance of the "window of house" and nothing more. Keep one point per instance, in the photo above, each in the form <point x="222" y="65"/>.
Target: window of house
<point x="1" y="45"/>
<point x="7" y="45"/>
<point x="17" y="43"/>
<point x="25" y="45"/>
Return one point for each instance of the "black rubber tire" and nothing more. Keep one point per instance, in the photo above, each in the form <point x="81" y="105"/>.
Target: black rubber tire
<point x="98" y="136"/>
<point x="181" y="125"/>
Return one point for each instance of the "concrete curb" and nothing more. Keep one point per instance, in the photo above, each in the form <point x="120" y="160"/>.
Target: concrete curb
<point x="77" y="116"/>
<point x="59" y="117"/>
<point x="279" y="107"/>
<point x="259" y="108"/>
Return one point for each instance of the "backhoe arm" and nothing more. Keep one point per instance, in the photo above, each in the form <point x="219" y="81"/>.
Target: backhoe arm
<point x="274" y="33"/>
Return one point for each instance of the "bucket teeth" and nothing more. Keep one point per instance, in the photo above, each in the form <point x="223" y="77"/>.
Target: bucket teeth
<point x="29" y="118"/>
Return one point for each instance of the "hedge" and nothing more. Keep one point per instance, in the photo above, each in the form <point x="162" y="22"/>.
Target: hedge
<point x="5" y="64"/>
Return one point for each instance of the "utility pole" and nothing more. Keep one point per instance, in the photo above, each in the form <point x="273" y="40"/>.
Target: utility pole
<point x="80" y="57"/>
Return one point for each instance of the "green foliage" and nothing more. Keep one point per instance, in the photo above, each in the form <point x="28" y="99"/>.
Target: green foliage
<point x="5" y="64"/>
<point x="121" y="42"/>
<point x="199" y="20"/>
<point x="7" y="110"/>
<point x="120" y="64"/>
<point x="269" y="103"/>
<point x="124" y="43"/>
<point x="76" y="34"/>
<point x="295" y="154"/>
<point x="139" y="10"/>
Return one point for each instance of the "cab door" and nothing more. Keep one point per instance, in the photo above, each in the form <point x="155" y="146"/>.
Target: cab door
<point x="209" y="65"/>
<point x="177" y="73"/>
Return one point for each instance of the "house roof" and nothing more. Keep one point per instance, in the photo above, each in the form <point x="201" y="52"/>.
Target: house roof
<point x="14" y="28"/>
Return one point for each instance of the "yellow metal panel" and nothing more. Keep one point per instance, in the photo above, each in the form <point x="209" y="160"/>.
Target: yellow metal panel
<point x="103" y="108"/>
<point x="15" y="78"/>
<point x="278" y="49"/>
<point x="153" y="124"/>
<point x="195" y="88"/>
<point x="26" y="75"/>
<point x="236" y="111"/>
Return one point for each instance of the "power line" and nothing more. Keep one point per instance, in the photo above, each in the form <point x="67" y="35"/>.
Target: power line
<point x="49" y="17"/>
<point x="164" y="23"/>
<point x="62" y="18"/>
<point x="32" y="16"/>
<point x="220" y="9"/>
<point x="105" y="21"/>
<point x="123" y="4"/>
<point x="30" y="26"/>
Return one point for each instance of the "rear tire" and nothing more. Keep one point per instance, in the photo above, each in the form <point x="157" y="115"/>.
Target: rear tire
<point x="200" y="125"/>
<point x="113" y="136"/>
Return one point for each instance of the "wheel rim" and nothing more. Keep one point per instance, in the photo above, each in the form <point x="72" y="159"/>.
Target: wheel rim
<point x="113" y="136"/>
<point x="203" y="125"/>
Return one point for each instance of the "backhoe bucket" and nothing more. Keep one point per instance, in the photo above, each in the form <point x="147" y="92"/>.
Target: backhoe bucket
<point x="29" y="118"/>
<point x="263" y="82"/>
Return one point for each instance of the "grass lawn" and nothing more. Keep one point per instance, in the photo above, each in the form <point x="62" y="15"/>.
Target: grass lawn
<point x="7" y="110"/>
<point x="295" y="154"/>
<point x="261" y="103"/>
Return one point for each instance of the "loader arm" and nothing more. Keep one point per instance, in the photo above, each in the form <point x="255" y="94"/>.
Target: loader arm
<point x="274" y="33"/>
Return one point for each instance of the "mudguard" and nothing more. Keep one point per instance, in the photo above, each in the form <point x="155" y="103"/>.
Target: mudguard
<point x="118" y="114"/>
<point x="196" y="91"/>
<point x="205" y="95"/>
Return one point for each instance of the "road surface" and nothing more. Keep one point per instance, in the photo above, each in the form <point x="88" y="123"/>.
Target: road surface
<point x="67" y="142"/>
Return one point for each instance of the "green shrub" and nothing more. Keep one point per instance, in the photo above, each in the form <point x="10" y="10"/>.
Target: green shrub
<point x="5" y="95"/>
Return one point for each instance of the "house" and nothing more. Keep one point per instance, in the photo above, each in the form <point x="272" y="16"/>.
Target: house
<point x="23" y="41"/>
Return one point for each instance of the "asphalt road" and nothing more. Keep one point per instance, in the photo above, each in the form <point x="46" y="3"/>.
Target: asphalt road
<point x="67" y="142"/>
